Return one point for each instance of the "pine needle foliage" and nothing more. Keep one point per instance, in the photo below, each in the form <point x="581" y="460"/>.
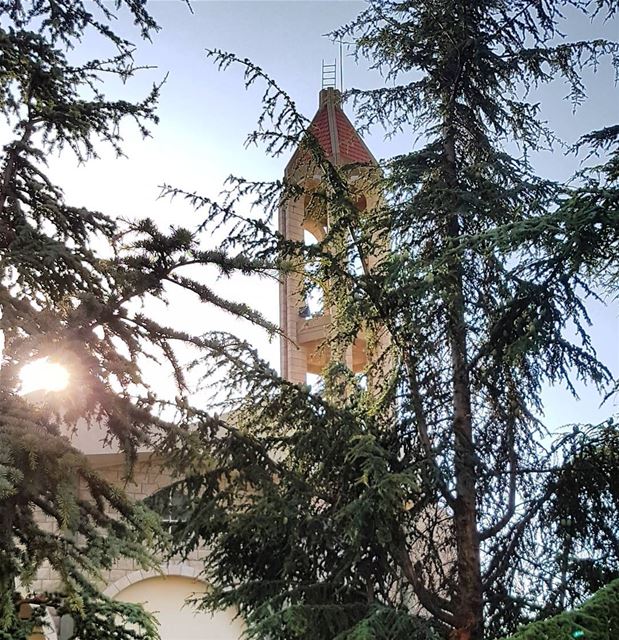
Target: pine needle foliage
<point x="426" y="498"/>
<point x="596" y="619"/>
<point x="73" y="288"/>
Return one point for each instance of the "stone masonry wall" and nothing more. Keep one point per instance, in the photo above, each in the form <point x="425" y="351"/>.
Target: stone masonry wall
<point x="148" y="477"/>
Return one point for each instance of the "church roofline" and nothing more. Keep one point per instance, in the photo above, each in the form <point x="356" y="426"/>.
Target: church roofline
<point x="336" y="135"/>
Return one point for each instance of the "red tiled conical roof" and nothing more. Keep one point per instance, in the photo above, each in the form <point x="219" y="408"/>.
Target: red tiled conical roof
<point x="336" y="134"/>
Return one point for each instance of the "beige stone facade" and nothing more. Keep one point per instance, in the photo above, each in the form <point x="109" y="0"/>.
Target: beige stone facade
<point x="303" y="351"/>
<point x="163" y="590"/>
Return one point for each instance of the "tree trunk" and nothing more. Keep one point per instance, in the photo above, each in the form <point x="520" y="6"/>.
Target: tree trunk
<point x="469" y="602"/>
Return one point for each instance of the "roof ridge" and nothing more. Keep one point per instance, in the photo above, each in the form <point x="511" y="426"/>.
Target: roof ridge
<point x="335" y="133"/>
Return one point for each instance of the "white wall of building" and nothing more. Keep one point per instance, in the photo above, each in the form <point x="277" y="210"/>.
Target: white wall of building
<point x="166" y="597"/>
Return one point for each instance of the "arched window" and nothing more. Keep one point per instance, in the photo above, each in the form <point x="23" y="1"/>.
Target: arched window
<point x="357" y="266"/>
<point x="314" y="300"/>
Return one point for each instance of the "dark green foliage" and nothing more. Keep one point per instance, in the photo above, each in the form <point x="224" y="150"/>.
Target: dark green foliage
<point x="72" y="284"/>
<point x="426" y="498"/>
<point x="94" y="616"/>
<point x="596" y="619"/>
<point x="55" y="510"/>
<point x="585" y="486"/>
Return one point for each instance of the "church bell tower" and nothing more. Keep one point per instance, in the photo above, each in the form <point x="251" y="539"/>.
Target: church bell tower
<point x="303" y="350"/>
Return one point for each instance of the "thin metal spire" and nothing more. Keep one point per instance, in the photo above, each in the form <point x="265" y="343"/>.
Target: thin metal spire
<point x="341" y="43"/>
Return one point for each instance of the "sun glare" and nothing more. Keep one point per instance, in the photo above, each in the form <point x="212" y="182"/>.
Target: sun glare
<point x="43" y="375"/>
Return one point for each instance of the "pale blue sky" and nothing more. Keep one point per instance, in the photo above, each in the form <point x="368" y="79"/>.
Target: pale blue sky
<point x="205" y="116"/>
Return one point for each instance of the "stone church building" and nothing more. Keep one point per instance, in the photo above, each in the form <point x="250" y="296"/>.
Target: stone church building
<point x="164" y="593"/>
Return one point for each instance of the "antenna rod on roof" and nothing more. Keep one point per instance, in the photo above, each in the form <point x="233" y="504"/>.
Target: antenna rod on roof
<point x="341" y="66"/>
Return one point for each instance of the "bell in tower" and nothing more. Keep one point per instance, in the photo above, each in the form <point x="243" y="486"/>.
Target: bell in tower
<point x="306" y="217"/>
